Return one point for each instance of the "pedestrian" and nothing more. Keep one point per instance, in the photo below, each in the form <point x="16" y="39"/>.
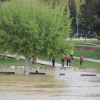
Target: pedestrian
<point x="4" y="59"/>
<point x="33" y="59"/>
<point x="68" y="60"/>
<point x="71" y="54"/>
<point x="81" y="60"/>
<point x="50" y="61"/>
<point x="62" y="61"/>
<point x="53" y="60"/>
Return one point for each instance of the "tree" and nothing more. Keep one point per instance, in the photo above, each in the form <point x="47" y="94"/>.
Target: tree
<point x="96" y="21"/>
<point x="86" y="15"/>
<point x="27" y="28"/>
<point x="72" y="7"/>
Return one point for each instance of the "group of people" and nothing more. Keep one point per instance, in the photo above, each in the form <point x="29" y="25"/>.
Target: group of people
<point x="67" y="58"/>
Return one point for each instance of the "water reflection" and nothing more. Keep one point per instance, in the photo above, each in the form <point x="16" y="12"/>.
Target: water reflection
<point x="51" y="86"/>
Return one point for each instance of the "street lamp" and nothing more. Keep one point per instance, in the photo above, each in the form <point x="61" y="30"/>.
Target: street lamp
<point x="94" y="50"/>
<point x="77" y="27"/>
<point x="94" y="45"/>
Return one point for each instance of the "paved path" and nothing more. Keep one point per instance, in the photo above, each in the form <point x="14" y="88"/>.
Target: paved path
<point x="47" y="63"/>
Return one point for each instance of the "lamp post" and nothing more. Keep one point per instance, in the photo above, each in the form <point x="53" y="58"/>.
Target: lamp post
<point x="94" y="46"/>
<point x="77" y="28"/>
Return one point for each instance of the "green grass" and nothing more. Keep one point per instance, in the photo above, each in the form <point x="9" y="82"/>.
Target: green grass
<point x="87" y="54"/>
<point x="86" y="64"/>
<point x="88" y="42"/>
<point x="92" y="53"/>
<point x="14" y="62"/>
<point x="96" y="42"/>
<point x="11" y="61"/>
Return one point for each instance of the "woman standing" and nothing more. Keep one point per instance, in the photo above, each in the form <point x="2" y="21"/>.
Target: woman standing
<point x="81" y="60"/>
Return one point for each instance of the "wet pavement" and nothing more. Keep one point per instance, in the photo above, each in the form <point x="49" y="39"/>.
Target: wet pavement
<point x="52" y="86"/>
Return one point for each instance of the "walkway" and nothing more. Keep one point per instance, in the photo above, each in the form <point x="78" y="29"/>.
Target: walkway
<point x="47" y="63"/>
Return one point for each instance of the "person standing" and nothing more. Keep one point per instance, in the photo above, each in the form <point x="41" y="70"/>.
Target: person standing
<point x="50" y="61"/>
<point x="53" y="60"/>
<point x="71" y="54"/>
<point x="33" y="59"/>
<point x="4" y="59"/>
<point x="62" y="61"/>
<point x="81" y="60"/>
<point x="68" y="60"/>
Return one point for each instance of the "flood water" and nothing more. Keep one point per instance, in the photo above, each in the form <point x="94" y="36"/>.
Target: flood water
<point x="52" y="86"/>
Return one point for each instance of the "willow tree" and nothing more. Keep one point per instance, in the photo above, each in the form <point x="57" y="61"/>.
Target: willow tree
<point x="27" y="28"/>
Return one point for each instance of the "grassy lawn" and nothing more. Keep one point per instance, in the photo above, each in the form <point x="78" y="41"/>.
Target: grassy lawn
<point x="88" y="42"/>
<point x="14" y="62"/>
<point x="86" y="64"/>
<point x="92" y="53"/>
<point x="11" y="61"/>
<point x="87" y="54"/>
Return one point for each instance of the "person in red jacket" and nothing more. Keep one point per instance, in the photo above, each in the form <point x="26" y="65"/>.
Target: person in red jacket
<point x="81" y="60"/>
<point x="68" y="60"/>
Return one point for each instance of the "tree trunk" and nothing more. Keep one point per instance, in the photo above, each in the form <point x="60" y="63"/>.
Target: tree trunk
<point x="26" y="66"/>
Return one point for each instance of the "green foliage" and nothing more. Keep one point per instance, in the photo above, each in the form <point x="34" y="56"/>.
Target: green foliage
<point x="86" y="64"/>
<point x="72" y="7"/>
<point x="32" y="28"/>
<point x="96" y="8"/>
<point x="86" y="15"/>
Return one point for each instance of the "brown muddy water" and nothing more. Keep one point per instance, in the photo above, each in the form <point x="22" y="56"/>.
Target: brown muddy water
<point x="52" y="86"/>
